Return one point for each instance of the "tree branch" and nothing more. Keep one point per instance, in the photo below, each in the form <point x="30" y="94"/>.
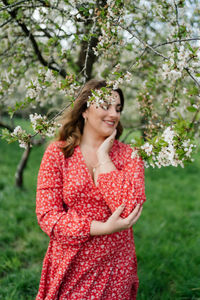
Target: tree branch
<point x="141" y="41"/>
<point x="177" y="20"/>
<point x="177" y="41"/>
<point x="11" y="5"/>
<point x="6" y="22"/>
<point x="188" y="71"/>
<point x="23" y="26"/>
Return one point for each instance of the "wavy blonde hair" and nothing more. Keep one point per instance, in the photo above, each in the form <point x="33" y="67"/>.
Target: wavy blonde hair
<point x="73" y="122"/>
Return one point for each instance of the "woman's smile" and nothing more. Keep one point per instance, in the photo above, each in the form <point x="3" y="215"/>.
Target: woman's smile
<point x="109" y="123"/>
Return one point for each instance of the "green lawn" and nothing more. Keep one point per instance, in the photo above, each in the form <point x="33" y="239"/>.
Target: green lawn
<point x="167" y="236"/>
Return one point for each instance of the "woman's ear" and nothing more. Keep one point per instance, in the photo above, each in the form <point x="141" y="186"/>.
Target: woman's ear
<point x="84" y="114"/>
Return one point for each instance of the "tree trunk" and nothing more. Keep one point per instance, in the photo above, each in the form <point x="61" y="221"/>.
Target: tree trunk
<point x="91" y="57"/>
<point x="23" y="162"/>
<point x="21" y="166"/>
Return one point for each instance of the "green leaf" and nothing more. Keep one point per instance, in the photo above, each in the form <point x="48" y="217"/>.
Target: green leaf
<point x="191" y="108"/>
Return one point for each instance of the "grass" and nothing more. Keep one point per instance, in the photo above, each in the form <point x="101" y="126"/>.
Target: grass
<point x="167" y="236"/>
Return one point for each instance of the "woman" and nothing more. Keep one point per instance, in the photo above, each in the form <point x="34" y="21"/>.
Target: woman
<point x="84" y="178"/>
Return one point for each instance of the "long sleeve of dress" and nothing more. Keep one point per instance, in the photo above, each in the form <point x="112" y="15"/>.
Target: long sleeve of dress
<point x="125" y="185"/>
<point x="66" y="225"/>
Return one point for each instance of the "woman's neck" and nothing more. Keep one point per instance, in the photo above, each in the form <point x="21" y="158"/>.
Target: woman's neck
<point x="91" y="141"/>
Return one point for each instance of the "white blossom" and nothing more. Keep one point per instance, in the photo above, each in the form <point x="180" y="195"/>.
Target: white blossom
<point x="31" y="93"/>
<point x="49" y="76"/>
<point x="134" y="153"/>
<point x="22" y="144"/>
<point x="18" y="130"/>
<point x="168" y="135"/>
<point x="147" y="148"/>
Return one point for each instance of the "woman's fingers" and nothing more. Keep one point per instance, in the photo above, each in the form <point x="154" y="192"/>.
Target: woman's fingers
<point x="118" y="211"/>
<point x="116" y="223"/>
<point x="106" y="145"/>
<point x="134" y="215"/>
<point x="137" y="216"/>
<point x="112" y="136"/>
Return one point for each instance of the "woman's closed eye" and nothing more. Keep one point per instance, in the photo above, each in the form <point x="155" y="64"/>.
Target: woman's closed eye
<point x="106" y="106"/>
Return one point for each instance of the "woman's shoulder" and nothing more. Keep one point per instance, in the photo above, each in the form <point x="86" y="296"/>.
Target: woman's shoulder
<point x="125" y="151"/>
<point x="123" y="148"/>
<point x="55" y="148"/>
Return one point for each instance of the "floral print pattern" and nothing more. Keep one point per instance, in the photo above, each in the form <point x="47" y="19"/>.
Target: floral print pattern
<point x="77" y="265"/>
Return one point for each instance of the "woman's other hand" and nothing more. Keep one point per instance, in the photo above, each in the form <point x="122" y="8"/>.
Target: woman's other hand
<point x="115" y="223"/>
<point x="105" y="147"/>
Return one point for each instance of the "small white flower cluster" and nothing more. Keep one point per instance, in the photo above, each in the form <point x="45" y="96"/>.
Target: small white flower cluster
<point x="188" y="147"/>
<point x="170" y="74"/>
<point x="183" y="55"/>
<point x="109" y="33"/>
<point x="127" y="77"/>
<point x="20" y="135"/>
<point x="33" y="90"/>
<point x="167" y="156"/>
<point x="72" y="90"/>
<point x="196" y="106"/>
<point x="10" y="79"/>
<point x="98" y="98"/>
<point x="147" y="148"/>
<point x="173" y="69"/>
<point x="49" y="76"/>
<point x="42" y="125"/>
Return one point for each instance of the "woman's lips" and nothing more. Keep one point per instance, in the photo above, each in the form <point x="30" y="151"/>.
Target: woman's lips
<point x="110" y="123"/>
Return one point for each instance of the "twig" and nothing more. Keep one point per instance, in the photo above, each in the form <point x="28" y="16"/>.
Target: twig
<point x="6" y="22"/>
<point x="27" y="32"/>
<point x="197" y="83"/>
<point x="142" y="42"/>
<point x="177" y="20"/>
<point x="173" y="98"/>
<point x="12" y="5"/>
<point x="176" y="41"/>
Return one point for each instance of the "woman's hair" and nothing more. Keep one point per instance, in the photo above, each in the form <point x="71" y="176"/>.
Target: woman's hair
<point x="73" y="122"/>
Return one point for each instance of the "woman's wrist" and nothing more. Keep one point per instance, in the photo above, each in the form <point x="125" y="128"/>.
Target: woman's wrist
<point x="98" y="228"/>
<point x="103" y="157"/>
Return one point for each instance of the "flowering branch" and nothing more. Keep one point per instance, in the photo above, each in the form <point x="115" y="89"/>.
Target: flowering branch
<point x="12" y="5"/>
<point x="177" y="41"/>
<point x="146" y="45"/>
<point x="13" y="14"/>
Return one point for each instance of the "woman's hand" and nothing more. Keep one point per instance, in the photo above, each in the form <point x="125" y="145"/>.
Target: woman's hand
<point x="105" y="147"/>
<point x="115" y="223"/>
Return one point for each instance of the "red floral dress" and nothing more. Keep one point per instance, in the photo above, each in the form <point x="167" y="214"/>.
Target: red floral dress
<point x="77" y="265"/>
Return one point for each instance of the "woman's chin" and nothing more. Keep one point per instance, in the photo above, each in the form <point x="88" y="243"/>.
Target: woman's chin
<point x="107" y="133"/>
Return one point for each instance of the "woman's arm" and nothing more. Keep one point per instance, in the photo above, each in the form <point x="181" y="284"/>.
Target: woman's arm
<point x="120" y="186"/>
<point x="66" y="226"/>
<point x="115" y="223"/>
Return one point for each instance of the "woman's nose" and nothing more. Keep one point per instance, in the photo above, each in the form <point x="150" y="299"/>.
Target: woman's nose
<point x="112" y="111"/>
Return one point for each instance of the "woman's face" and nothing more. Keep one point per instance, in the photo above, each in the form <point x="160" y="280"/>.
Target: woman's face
<point x="104" y="119"/>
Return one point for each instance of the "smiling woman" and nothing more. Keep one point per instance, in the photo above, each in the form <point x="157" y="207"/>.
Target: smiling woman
<point x="74" y="119"/>
<point x="89" y="194"/>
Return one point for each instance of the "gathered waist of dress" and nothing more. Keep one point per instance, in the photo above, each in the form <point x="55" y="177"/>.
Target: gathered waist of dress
<point x="107" y="246"/>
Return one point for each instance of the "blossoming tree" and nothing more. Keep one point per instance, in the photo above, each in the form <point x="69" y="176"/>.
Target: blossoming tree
<point x="150" y="47"/>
